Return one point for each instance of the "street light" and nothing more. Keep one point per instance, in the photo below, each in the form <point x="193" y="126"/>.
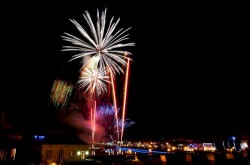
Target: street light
<point x="82" y="154"/>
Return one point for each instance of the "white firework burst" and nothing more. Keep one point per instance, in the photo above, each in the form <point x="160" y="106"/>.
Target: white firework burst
<point x="103" y="42"/>
<point x="94" y="80"/>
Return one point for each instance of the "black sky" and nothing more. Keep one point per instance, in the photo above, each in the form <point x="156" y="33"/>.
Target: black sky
<point x="189" y="73"/>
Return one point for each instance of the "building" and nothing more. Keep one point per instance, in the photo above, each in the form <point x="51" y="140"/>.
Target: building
<point x="56" y="153"/>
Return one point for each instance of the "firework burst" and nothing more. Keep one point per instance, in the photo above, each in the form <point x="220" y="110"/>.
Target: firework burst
<point x="94" y="80"/>
<point x="104" y="43"/>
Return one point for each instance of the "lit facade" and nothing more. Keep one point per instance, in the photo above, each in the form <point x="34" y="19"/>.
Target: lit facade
<point x="52" y="153"/>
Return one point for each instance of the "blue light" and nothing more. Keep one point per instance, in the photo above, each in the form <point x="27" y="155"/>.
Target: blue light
<point x="232" y="138"/>
<point x="143" y="150"/>
<point x="38" y="137"/>
<point x="41" y="137"/>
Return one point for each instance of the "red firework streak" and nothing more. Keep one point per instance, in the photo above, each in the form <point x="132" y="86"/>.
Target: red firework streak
<point x="125" y="96"/>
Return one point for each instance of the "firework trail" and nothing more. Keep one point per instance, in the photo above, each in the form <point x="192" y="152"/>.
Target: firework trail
<point x="125" y="98"/>
<point x="93" y="80"/>
<point x="115" y="103"/>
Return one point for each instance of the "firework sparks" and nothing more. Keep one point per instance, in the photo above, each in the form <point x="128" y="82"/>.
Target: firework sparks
<point x="105" y="115"/>
<point x="60" y="93"/>
<point x="100" y="50"/>
<point x="94" y="80"/>
<point x="104" y="43"/>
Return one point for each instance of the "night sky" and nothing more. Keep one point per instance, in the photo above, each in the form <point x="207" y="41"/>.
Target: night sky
<point x="189" y="75"/>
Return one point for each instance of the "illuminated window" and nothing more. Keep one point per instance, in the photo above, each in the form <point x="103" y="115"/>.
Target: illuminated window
<point x="3" y="154"/>
<point x="72" y="153"/>
<point x="60" y="155"/>
<point x="48" y="154"/>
